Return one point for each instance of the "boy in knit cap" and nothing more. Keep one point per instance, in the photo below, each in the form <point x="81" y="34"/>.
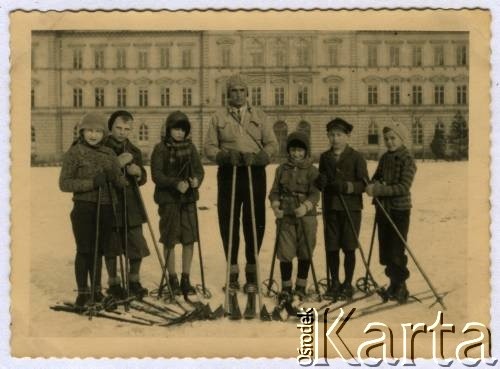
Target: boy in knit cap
<point x="177" y="171"/>
<point x="130" y="159"/>
<point x="342" y="174"/>
<point x="88" y="166"/>
<point x="294" y="197"/>
<point x="391" y="185"/>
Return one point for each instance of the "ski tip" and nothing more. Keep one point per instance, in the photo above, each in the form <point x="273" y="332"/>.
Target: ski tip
<point x="264" y="314"/>
<point x="218" y="313"/>
<point x="276" y="315"/>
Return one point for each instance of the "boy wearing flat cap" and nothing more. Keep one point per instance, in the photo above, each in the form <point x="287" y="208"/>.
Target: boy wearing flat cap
<point x="342" y="174"/>
<point x="391" y="183"/>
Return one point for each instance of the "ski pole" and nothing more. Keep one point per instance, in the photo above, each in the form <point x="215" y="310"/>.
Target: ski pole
<point x="254" y="235"/>
<point x="157" y="249"/>
<point x="323" y="215"/>
<point x="309" y="250"/>
<point x="230" y="239"/>
<point x="438" y="297"/>
<point x="206" y="293"/>
<point x="96" y="252"/>
<point x="125" y="242"/>
<point x="120" y="256"/>
<point x="363" y="282"/>
<point x="362" y="253"/>
<point x="275" y="253"/>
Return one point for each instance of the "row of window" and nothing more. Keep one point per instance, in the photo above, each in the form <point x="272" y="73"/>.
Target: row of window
<point x="256" y="57"/>
<point x="302" y="97"/>
<point x="143" y="60"/>
<point x="121" y="97"/>
<point x="417" y="56"/>
<point x="417" y="95"/>
<point x="373" y="132"/>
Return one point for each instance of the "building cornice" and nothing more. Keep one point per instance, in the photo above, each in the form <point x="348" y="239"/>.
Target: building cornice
<point x="164" y="81"/>
<point x="99" y="82"/>
<point x="143" y="81"/>
<point x="120" y="82"/>
<point x="77" y="82"/>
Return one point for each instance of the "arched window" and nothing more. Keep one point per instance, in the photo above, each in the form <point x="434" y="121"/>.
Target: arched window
<point x="281" y="133"/>
<point x="33" y="135"/>
<point x="75" y="131"/>
<point x="417" y="132"/>
<point x="373" y="133"/>
<point x="143" y="132"/>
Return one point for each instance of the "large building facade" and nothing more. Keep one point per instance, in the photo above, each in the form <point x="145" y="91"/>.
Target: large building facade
<point x="302" y="79"/>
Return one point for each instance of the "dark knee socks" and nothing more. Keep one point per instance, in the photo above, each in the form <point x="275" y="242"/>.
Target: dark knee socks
<point x="333" y="264"/>
<point x="84" y="265"/>
<point x="81" y="271"/>
<point x="303" y="269"/>
<point x="286" y="274"/>
<point x="349" y="264"/>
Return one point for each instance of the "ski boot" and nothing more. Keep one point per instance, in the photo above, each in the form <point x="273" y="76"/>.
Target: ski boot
<point x="250" y="310"/>
<point x="137" y="290"/>
<point x="300" y="292"/>
<point x="285" y="298"/>
<point x="98" y="296"/>
<point x="81" y="301"/>
<point x="186" y="287"/>
<point x="402" y="294"/>
<point x="347" y="291"/>
<point x="116" y="291"/>
<point x="334" y="292"/>
<point x="390" y="293"/>
<point x="234" y="312"/>
<point x="174" y="284"/>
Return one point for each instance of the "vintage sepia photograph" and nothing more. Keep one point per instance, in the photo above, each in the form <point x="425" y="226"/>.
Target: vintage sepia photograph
<point x="200" y="184"/>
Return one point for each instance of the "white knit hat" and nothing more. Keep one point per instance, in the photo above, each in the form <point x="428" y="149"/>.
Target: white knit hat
<point x="398" y="128"/>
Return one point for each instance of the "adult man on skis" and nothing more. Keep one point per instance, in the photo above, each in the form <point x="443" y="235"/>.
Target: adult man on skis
<point x="240" y="136"/>
<point x="129" y="206"/>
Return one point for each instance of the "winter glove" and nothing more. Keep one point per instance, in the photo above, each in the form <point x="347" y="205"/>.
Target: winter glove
<point x="302" y="210"/>
<point x="261" y="158"/>
<point x="278" y="213"/>
<point x="249" y="159"/>
<point x="194" y="182"/>
<point x="125" y="159"/>
<point x="100" y="180"/>
<point x="230" y="157"/>
<point x="134" y="170"/>
<point x="182" y="186"/>
<point x="369" y="189"/>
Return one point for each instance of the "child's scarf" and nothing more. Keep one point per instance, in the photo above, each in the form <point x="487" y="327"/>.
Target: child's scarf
<point x="179" y="152"/>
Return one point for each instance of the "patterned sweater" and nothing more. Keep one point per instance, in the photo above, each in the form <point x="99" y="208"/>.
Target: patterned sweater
<point x="393" y="179"/>
<point x="81" y="163"/>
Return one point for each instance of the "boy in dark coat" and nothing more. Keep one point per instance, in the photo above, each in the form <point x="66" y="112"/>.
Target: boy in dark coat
<point x="294" y="197"/>
<point x="89" y="166"/>
<point x="342" y="173"/>
<point x="130" y="159"/>
<point x="177" y="171"/>
<point x="391" y="184"/>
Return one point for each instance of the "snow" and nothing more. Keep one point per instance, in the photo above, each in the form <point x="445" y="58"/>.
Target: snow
<point x="438" y="237"/>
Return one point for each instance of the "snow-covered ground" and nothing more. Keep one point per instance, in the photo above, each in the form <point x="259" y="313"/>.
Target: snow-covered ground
<point x="438" y="236"/>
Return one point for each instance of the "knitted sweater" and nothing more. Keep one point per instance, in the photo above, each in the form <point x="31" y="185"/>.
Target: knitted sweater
<point x="393" y="179"/>
<point x="81" y="163"/>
